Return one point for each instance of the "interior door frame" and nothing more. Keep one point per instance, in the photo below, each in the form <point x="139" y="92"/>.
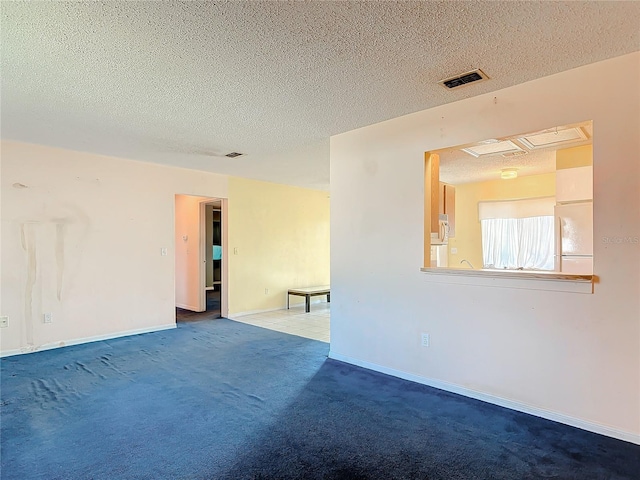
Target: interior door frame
<point x="224" y="274"/>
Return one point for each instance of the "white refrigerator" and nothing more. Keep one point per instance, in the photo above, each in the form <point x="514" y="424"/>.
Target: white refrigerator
<point x="574" y="238"/>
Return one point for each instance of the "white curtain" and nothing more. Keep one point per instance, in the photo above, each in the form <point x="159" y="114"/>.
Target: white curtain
<point x="522" y="208"/>
<point x="518" y="243"/>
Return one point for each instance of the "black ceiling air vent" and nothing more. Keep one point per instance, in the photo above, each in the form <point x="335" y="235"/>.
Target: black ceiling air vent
<point x="234" y="154"/>
<point x="465" y="79"/>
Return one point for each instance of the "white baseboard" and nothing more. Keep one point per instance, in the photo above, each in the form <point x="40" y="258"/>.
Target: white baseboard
<point x="283" y="307"/>
<point x="252" y="312"/>
<point x="78" y="341"/>
<point x="485" y="397"/>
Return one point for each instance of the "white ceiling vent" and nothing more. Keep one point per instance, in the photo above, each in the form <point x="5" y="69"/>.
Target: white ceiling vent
<point x="473" y="76"/>
<point x="515" y="154"/>
<point x="553" y="137"/>
<point x="494" y="148"/>
<point x="234" y="154"/>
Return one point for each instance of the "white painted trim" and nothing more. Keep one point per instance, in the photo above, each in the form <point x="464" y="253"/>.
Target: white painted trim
<point x="202" y="250"/>
<point x="252" y="312"/>
<point x="224" y="287"/>
<point x="500" y="401"/>
<point x="78" y="341"/>
<point x="283" y="307"/>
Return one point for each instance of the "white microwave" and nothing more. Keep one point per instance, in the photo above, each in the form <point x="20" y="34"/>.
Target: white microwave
<point x="442" y="236"/>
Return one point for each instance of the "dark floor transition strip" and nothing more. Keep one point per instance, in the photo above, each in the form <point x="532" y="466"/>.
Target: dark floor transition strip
<point x="216" y="399"/>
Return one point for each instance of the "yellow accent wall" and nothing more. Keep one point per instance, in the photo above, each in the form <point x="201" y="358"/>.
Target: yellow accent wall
<point x="281" y="236"/>
<point x="574" y="157"/>
<point x="468" y="239"/>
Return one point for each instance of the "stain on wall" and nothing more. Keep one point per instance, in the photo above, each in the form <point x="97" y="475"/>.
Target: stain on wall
<point x="60" y="232"/>
<point x="28" y="236"/>
<point x="48" y="243"/>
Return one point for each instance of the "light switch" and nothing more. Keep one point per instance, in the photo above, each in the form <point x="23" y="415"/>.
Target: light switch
<point x="163" y="252"/>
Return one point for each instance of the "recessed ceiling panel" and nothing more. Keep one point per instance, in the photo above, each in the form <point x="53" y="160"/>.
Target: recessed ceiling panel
<point x="487" y="149"/>
<point x="552" y="138"/>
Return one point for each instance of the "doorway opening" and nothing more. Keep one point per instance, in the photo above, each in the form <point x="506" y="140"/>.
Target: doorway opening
<point x="200" y="258"/>
<point x="213" y="258"/>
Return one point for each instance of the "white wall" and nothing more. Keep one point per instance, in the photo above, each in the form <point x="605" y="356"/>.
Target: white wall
<point x="81" y="238"/>
<point x="568" y="356"/>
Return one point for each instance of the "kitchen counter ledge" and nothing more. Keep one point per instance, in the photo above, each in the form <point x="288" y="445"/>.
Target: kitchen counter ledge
<point x="527" y="279"/>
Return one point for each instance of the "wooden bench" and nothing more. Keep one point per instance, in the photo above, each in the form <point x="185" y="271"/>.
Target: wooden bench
<point x="309" y="292"/>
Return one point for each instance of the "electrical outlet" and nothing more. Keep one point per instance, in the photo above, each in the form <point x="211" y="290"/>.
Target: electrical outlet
<point x="163" y="252"/>
<point x="4" y="321"/>
<point x="48" y="317"/>
<point x="266" y="291"/>
<point x="454" y="251"/>
<point x="425" y="339"/>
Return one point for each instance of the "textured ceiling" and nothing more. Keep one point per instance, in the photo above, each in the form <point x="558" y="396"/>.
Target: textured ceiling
<point x="184" y="82"/>
<point x="457" y="167"/>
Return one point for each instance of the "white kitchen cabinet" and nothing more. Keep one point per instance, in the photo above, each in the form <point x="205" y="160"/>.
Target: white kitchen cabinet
<point x="574" y="184"/>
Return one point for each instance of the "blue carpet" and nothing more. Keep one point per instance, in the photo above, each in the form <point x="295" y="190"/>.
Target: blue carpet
<point x="224" y="400"/>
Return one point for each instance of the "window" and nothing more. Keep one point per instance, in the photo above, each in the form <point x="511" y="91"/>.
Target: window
<point x="518" y="243"/>
<point x="518" y="234"/>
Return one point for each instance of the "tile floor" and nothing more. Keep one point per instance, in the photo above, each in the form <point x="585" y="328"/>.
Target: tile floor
<point x="295" y="321"/>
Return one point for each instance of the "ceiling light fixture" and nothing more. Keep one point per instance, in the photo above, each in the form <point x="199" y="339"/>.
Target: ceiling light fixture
<point x="508" y="173"/>
<point x="234" y="154"/>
